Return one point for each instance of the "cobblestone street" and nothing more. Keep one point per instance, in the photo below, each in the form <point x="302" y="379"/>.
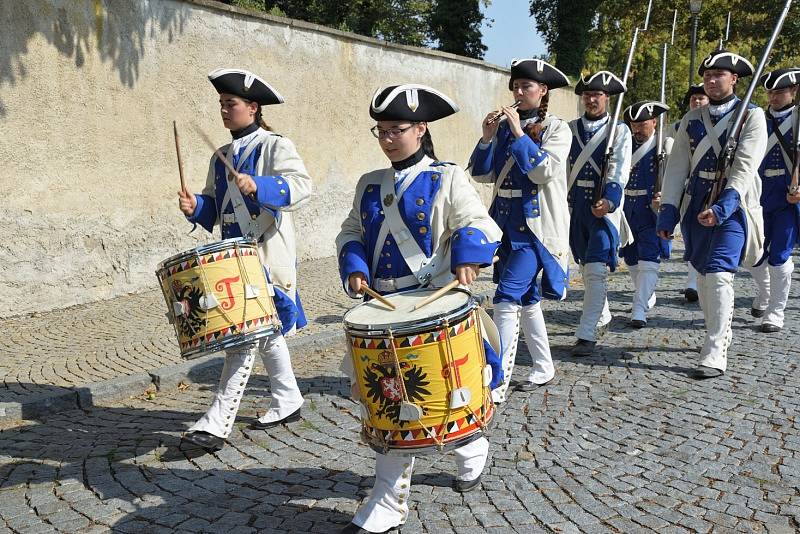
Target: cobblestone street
<point x="623" y="441"/>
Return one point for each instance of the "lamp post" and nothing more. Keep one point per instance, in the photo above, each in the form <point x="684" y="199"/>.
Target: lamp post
<point x="694" y="9"/>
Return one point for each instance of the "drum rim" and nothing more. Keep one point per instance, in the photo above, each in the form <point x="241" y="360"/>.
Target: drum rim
<point x="410" y="327"/>
<point x="202" y="250"/>
<point x="431" y="449"/>
<point x="229" y="342"/>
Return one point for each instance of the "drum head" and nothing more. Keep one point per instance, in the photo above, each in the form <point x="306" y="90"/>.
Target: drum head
<point x="206" y="249"/>
<point x="373" y="316"/>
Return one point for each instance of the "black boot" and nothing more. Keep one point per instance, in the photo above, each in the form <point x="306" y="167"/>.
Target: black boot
<point x="204" y="440"/>
<point x="258" y="425"/>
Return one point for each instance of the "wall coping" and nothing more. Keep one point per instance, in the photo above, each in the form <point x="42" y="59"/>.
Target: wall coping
<point x="318" y="28"/>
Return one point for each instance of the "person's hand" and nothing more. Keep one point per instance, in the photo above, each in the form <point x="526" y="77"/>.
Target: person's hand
<point x="245" y="183"/>
<point x="707" y="218"/>
<point x="663" y="234"/>
<point x="512" y="117"/>
<point x="466" y="273"/>
<point x="601" y="208"/>
<point x="489" y="130"/>
<point x="187" y="202"/>
<point x="656" y="203"/>
<point x="356" y="281"/>
<point x="793" y="198"/>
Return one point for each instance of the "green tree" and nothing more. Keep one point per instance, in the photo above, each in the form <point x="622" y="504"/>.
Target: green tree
<point x="456" y="26"/>
<point x="564" y="25"/>
<point x="608" y="32"/>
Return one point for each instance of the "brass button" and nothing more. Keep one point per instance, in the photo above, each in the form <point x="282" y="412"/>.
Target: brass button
<point x="388" y="243"/>
<point x="421" y="216"/>
<point x="283" y="191"/>
<point x="388" y="265"/>
<point x="521" y="228"/>
<point x="423" y="230"/>
<point x="364" y="215"/>
<point x="470" y="232"/>
<point x="434" y="177"/>
<point x="369" y="189"/>
<point x="280" y="182"/>
<point x="381" y="212"/>
<point x="253" y="217"/>
<point x="420" y="202"/>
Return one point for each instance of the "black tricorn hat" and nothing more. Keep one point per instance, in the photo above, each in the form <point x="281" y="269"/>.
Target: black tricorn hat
<point x="537" y="70"/>
<point x="644" y="110"/>
<point x="780" y="79"/>
<point x="601" y="81"/>
<point x="722" y="59"/>
<point x="694" y="89"/>
<point x="412" y="102"/>
<point x="245" y="84"/>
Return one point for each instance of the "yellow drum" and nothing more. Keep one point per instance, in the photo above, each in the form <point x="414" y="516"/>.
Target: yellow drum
<point x="422" y="374"/>
<point x="218" y="297"/>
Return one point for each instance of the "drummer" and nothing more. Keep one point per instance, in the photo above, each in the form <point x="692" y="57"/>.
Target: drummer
<point x="271" y="181"/>
<point x="415" y="224"/>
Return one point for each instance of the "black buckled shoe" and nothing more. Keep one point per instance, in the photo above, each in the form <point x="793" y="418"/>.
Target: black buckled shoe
<point x="527" y="387"/>
<point x="690" y="294"/>
<point x="463" y="486"/>
<point x="583" y="347"/>
<point x="292" y="417"/>
<point x="770" y="328"/>
<point x="636" y="323"/>
<point x="702" y="372"/>
<point x="755" y="312"/>
<point x="204" y="440"/>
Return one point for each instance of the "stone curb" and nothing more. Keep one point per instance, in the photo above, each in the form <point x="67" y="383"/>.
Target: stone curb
<point x="84" y="397"/>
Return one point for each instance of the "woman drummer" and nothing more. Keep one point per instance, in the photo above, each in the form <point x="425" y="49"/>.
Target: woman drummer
<point x="525" y="155"/>
<point x="441" y="229"/>
<point x="271" y="181"/>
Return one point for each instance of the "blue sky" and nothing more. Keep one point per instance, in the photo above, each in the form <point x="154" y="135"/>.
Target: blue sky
<point x="513" y="33"/>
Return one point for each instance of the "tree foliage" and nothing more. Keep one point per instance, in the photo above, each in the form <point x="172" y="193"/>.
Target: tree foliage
<point x="447" y="25"/>
<point x="609" y="31"/>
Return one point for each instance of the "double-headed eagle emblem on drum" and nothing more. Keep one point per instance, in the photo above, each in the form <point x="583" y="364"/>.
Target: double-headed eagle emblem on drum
<point x="190" y="321"/>
<point x="384" y="386"/>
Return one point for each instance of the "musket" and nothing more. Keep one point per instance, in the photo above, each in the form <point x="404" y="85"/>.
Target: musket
<point x="612" y="123"/>
<point x="662" y="153"/>
<point x="725" y="160"/>
<point x="724" y="40"/>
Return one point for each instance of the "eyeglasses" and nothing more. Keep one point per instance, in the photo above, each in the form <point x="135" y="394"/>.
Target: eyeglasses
<point x="391" y="133"/>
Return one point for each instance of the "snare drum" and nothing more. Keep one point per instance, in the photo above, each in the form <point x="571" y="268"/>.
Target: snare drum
<point x="218" y="297"/>
<point x="422" y="374"/>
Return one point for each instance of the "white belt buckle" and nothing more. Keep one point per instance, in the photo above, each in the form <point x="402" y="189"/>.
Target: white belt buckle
<point x="228" y="218"/>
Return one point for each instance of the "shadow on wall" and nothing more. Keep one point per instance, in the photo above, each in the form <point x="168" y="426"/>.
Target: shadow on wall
<point x="114" y="30"/>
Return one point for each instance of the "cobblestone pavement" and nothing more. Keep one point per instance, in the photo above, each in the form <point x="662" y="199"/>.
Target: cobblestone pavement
<point x="71" y="347"/>
<point x="623" y="441"/>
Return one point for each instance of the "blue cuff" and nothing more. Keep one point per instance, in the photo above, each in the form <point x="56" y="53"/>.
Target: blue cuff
<point x="496" y="363"/>
<point x="527" y="154"/>
<point x="481" y="160"/>
<point x="273" y="191"/>
<point x="353" y="259"/>
<point x="205" y="213"/>
<point x="668" y="218"/>
<point x="726" y="204"/>
<point x="613" y="194"/>
<point x="469" y="245"/>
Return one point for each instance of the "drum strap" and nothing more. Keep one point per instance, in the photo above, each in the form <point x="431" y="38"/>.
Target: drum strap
<point x="421" y="265"/>
<point x="252" y="228"/>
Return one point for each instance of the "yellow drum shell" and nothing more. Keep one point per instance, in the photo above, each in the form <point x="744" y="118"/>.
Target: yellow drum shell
<point x="231" y="273"/>
<point x="434" y="363"/>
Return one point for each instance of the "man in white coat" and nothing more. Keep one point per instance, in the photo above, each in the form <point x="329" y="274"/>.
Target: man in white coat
<point x="724" y="232"/>
<point x="597" y="222"/>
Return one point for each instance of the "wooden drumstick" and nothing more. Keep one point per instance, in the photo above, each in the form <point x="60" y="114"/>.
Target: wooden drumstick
<point x="377" y="296"/>
<point x="217" y="152"/>
<point x="178" y="152"/>
<point x="439" y="292"/>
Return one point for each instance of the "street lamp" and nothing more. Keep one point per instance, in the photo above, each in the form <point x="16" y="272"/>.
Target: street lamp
<point x="694" y="9"/>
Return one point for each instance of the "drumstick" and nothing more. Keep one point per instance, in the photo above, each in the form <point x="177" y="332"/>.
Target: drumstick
<point x="439" y="292"/>
<point x="377" y="296"/>
<point x="217" y="152"/>
<point x="178" y="152"/>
